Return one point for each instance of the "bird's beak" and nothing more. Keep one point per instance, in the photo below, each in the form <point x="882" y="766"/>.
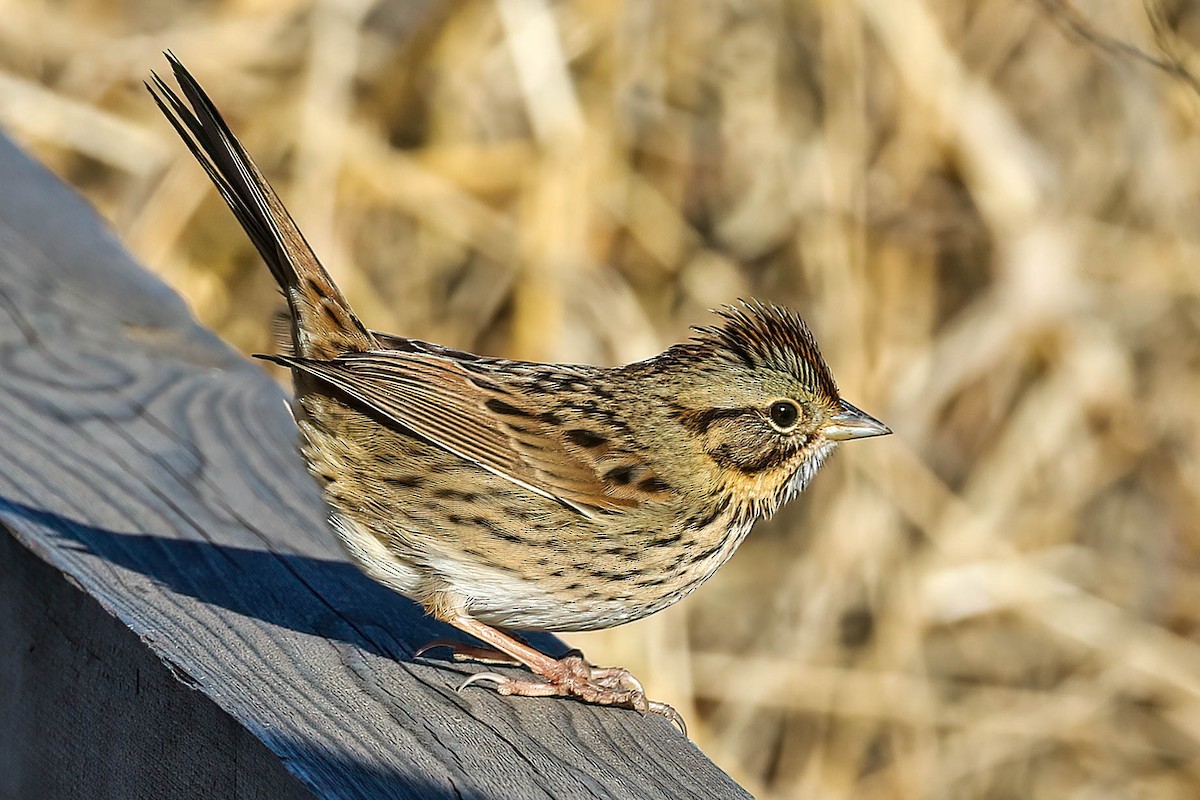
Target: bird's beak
<point x="851" y="423"/>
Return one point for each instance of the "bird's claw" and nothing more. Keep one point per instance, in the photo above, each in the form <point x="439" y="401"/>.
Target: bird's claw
<point x="673" y="716"/>
<point x="578" y="679"/>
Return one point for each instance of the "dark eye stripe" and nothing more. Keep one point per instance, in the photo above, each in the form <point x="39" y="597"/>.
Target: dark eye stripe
<point x="700" y="420"/>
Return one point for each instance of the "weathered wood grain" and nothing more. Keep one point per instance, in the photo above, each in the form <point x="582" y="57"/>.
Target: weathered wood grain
<point x="87" y="711"/>
<point x="155" y="470"/>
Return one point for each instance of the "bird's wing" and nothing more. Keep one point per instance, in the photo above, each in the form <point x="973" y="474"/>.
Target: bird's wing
<point x="483" y="422"/>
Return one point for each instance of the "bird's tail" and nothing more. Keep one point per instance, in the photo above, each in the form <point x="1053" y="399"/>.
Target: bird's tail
<point x="322" y="323"/>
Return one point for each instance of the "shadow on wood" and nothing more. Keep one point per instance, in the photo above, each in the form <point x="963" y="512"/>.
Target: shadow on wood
<point x="183" y="611"/>
<point x="363" y="613"/>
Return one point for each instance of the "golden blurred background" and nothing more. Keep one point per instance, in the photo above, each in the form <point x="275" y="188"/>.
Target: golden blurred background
<point x="988" y="212"/>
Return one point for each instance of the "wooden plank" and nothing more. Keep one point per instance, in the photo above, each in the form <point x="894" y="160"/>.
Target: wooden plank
<point x="78" y="682"/>
<point x="155" y="469"/>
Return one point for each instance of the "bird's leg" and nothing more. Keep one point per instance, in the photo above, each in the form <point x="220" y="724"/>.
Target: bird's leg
<point x="569" y="676"/>
<point x="461" y="651"/>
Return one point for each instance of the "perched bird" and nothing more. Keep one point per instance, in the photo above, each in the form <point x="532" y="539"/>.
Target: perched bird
<point x="513" y="495"/>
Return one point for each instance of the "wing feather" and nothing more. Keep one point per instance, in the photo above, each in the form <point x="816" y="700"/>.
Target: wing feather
<point x="434" y="397"/>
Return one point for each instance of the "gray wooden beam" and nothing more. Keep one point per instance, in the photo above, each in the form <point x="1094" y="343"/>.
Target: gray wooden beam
<point x="182" y="623"/>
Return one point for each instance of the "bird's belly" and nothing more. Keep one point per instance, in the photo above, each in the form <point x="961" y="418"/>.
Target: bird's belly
<point x="490" y="594"/>
<point x="373" y="558"/>
<point x="582" y="586"/>
<point x="582" y="596"/>
<point x="593" y="595"/>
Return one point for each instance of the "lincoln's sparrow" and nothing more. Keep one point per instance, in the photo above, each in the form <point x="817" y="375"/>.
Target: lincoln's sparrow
<point x="533" y="496"/>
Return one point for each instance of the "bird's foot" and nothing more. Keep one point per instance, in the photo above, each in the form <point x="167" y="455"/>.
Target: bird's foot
<point x="569" y="676"/>
<point x="572" y="676"/>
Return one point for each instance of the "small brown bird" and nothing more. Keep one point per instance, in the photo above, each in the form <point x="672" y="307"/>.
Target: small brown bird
<point x="505" y="494"/>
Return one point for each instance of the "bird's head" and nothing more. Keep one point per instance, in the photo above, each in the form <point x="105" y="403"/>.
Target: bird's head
<point x="755" y="395"/>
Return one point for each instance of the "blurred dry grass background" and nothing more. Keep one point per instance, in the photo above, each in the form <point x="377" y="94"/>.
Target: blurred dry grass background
<point x="990" y="220"/>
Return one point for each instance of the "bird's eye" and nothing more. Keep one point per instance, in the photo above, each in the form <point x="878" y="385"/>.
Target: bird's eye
<point x="783" y="414"/>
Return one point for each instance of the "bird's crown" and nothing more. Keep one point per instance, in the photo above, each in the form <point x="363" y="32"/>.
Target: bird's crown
<point x="759" y="335"/>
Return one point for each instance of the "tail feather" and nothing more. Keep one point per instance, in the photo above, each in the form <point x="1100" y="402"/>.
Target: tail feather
<point x="323" y="324"/>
